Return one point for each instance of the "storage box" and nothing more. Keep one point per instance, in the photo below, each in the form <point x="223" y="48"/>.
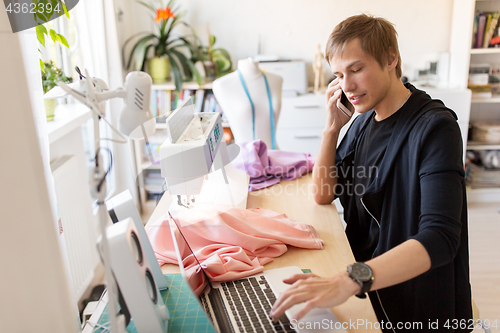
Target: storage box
<point x="293" y="74"/>
<point x="487" y="132"/>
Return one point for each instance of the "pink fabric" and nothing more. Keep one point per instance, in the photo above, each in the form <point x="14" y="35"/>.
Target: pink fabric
<point x="267" y="167"/>
<point x="230" y="242"/>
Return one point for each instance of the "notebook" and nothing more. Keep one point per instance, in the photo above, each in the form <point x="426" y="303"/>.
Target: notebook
<point x="244" y="305"/>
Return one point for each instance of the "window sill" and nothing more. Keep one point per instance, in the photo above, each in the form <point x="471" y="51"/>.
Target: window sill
<point x="67" y="118"/>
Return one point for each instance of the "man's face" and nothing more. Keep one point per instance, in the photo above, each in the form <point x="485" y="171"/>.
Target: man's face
<point x="365" y="83"/>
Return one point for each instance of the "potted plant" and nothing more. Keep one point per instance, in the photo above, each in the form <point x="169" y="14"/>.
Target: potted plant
<point x="167" y="47"/>
<point x="216" y="61"/>
<point x="51" y="8"/>
<point x="50" y="76"/>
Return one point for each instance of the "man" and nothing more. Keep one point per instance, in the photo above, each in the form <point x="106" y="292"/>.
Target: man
<point x="399" y="175"/>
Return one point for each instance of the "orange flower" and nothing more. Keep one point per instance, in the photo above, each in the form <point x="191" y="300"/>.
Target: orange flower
<point x="169" y="13"/>
<point x="164" y="14"/>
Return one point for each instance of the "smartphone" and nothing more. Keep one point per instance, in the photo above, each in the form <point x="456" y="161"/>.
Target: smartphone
<point x="345" y="105"/>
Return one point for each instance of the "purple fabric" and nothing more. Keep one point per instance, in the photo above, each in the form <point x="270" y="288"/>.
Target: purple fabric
<point x="268" y="167"/>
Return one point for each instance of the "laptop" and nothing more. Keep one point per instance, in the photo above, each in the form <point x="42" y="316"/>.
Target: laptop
<point x="243" y="305"/>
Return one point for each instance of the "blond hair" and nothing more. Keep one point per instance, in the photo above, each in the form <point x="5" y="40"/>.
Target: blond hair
<point x="376" y="35"/>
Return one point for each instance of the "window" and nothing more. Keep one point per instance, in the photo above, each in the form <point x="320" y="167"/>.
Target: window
<point x="84" y="32"/>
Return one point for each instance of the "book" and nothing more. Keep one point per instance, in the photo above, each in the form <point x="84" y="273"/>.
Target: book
<point x="164" y="108"/>
<point x="479" y="88"/>
<point x="480" y="30"/>
<point x="187" y="94"/>
<point x="474" y="30"/>
<point x="198" y="100"/>
<point x="486" y="131"/>
<point x="491" y="29"/>
<point x="481" y="177"/>
<point x="168" y="104"/>
<point x="486" y="29"/>
<point x="158" y="103"/>
<point x="480" y="91"/>
<point x="213" y="103"/>
<point x="175" y="97"/>
<point x="180" y="99"/>
<point x="161" y="96"/>
<point x="152" y="102"/>
<point x="207" y="102"/>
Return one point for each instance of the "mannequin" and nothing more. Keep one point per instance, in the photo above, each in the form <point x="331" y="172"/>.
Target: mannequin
<point x="234" y="102"/>
<point x="319" y="72"/>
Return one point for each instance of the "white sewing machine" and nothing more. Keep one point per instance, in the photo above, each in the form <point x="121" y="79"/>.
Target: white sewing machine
<point x="195" y="161"/>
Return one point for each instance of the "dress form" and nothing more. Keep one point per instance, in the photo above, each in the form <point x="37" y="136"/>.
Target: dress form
<point x="231" y="96"/>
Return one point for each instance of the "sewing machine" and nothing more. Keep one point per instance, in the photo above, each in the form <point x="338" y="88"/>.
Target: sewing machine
<point x="195" y="161"/>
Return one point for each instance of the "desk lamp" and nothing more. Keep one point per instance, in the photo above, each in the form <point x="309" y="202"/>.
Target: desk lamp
<point x="137" y="122"/>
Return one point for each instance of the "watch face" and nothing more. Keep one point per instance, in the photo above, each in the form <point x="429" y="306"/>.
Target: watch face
<point x="361" y="271"/>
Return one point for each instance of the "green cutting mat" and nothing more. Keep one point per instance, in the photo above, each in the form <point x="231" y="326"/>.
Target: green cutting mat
<point x="186" y="313"/>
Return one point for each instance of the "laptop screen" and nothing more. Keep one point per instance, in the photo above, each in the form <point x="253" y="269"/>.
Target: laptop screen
<point x="175" y="226"/>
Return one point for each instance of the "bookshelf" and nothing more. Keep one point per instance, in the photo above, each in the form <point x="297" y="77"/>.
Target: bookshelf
<point x="484" y="108"/>
<point x="464" y="53"/>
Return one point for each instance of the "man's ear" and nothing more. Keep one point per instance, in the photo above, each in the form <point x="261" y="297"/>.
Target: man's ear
<point x="392" y="59"/>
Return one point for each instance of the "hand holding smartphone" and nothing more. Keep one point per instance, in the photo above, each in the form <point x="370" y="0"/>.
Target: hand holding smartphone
<point x="344" y="105"/>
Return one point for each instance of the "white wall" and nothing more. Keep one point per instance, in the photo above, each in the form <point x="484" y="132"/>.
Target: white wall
<point x="292" y="29"/>
<point x="35" y="291"/>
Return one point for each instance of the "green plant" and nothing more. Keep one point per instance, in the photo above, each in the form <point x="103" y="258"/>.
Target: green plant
<point x="51" y="75"/>
<point x="219" y="57"/>
<point x="50" y="8"/>
<point x="164" y="43"/>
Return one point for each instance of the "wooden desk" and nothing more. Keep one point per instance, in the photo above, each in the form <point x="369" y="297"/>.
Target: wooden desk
<point x="293" y="199"/>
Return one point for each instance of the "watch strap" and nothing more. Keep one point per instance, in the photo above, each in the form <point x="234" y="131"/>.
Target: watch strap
<point x="365" y="285"/>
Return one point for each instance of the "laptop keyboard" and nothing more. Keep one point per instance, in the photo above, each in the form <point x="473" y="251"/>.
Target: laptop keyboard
<point x="250" y="301"/>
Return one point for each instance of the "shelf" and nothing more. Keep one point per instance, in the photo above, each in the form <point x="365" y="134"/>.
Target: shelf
<point x="487" y="194"/>
<point x="485" y="190"/>
<point x="494" y="99"/>
<point x="491" y="50"/>
<point x="186" y="85"/>
<point x="475" y="145"/>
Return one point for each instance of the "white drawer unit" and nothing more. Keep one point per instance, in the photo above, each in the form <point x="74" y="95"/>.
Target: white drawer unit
<point x="301" y="123"/>
<point x="301" y="140"/>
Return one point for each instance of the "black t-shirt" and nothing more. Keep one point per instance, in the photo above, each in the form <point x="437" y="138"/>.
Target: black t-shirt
<point x="370" y="151"/>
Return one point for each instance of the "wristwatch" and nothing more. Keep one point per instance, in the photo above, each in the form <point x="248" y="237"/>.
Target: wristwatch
<point x="362" y="274"/>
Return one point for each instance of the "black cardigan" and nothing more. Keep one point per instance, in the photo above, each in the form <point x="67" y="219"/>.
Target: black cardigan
<point x="419" y="194"/>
